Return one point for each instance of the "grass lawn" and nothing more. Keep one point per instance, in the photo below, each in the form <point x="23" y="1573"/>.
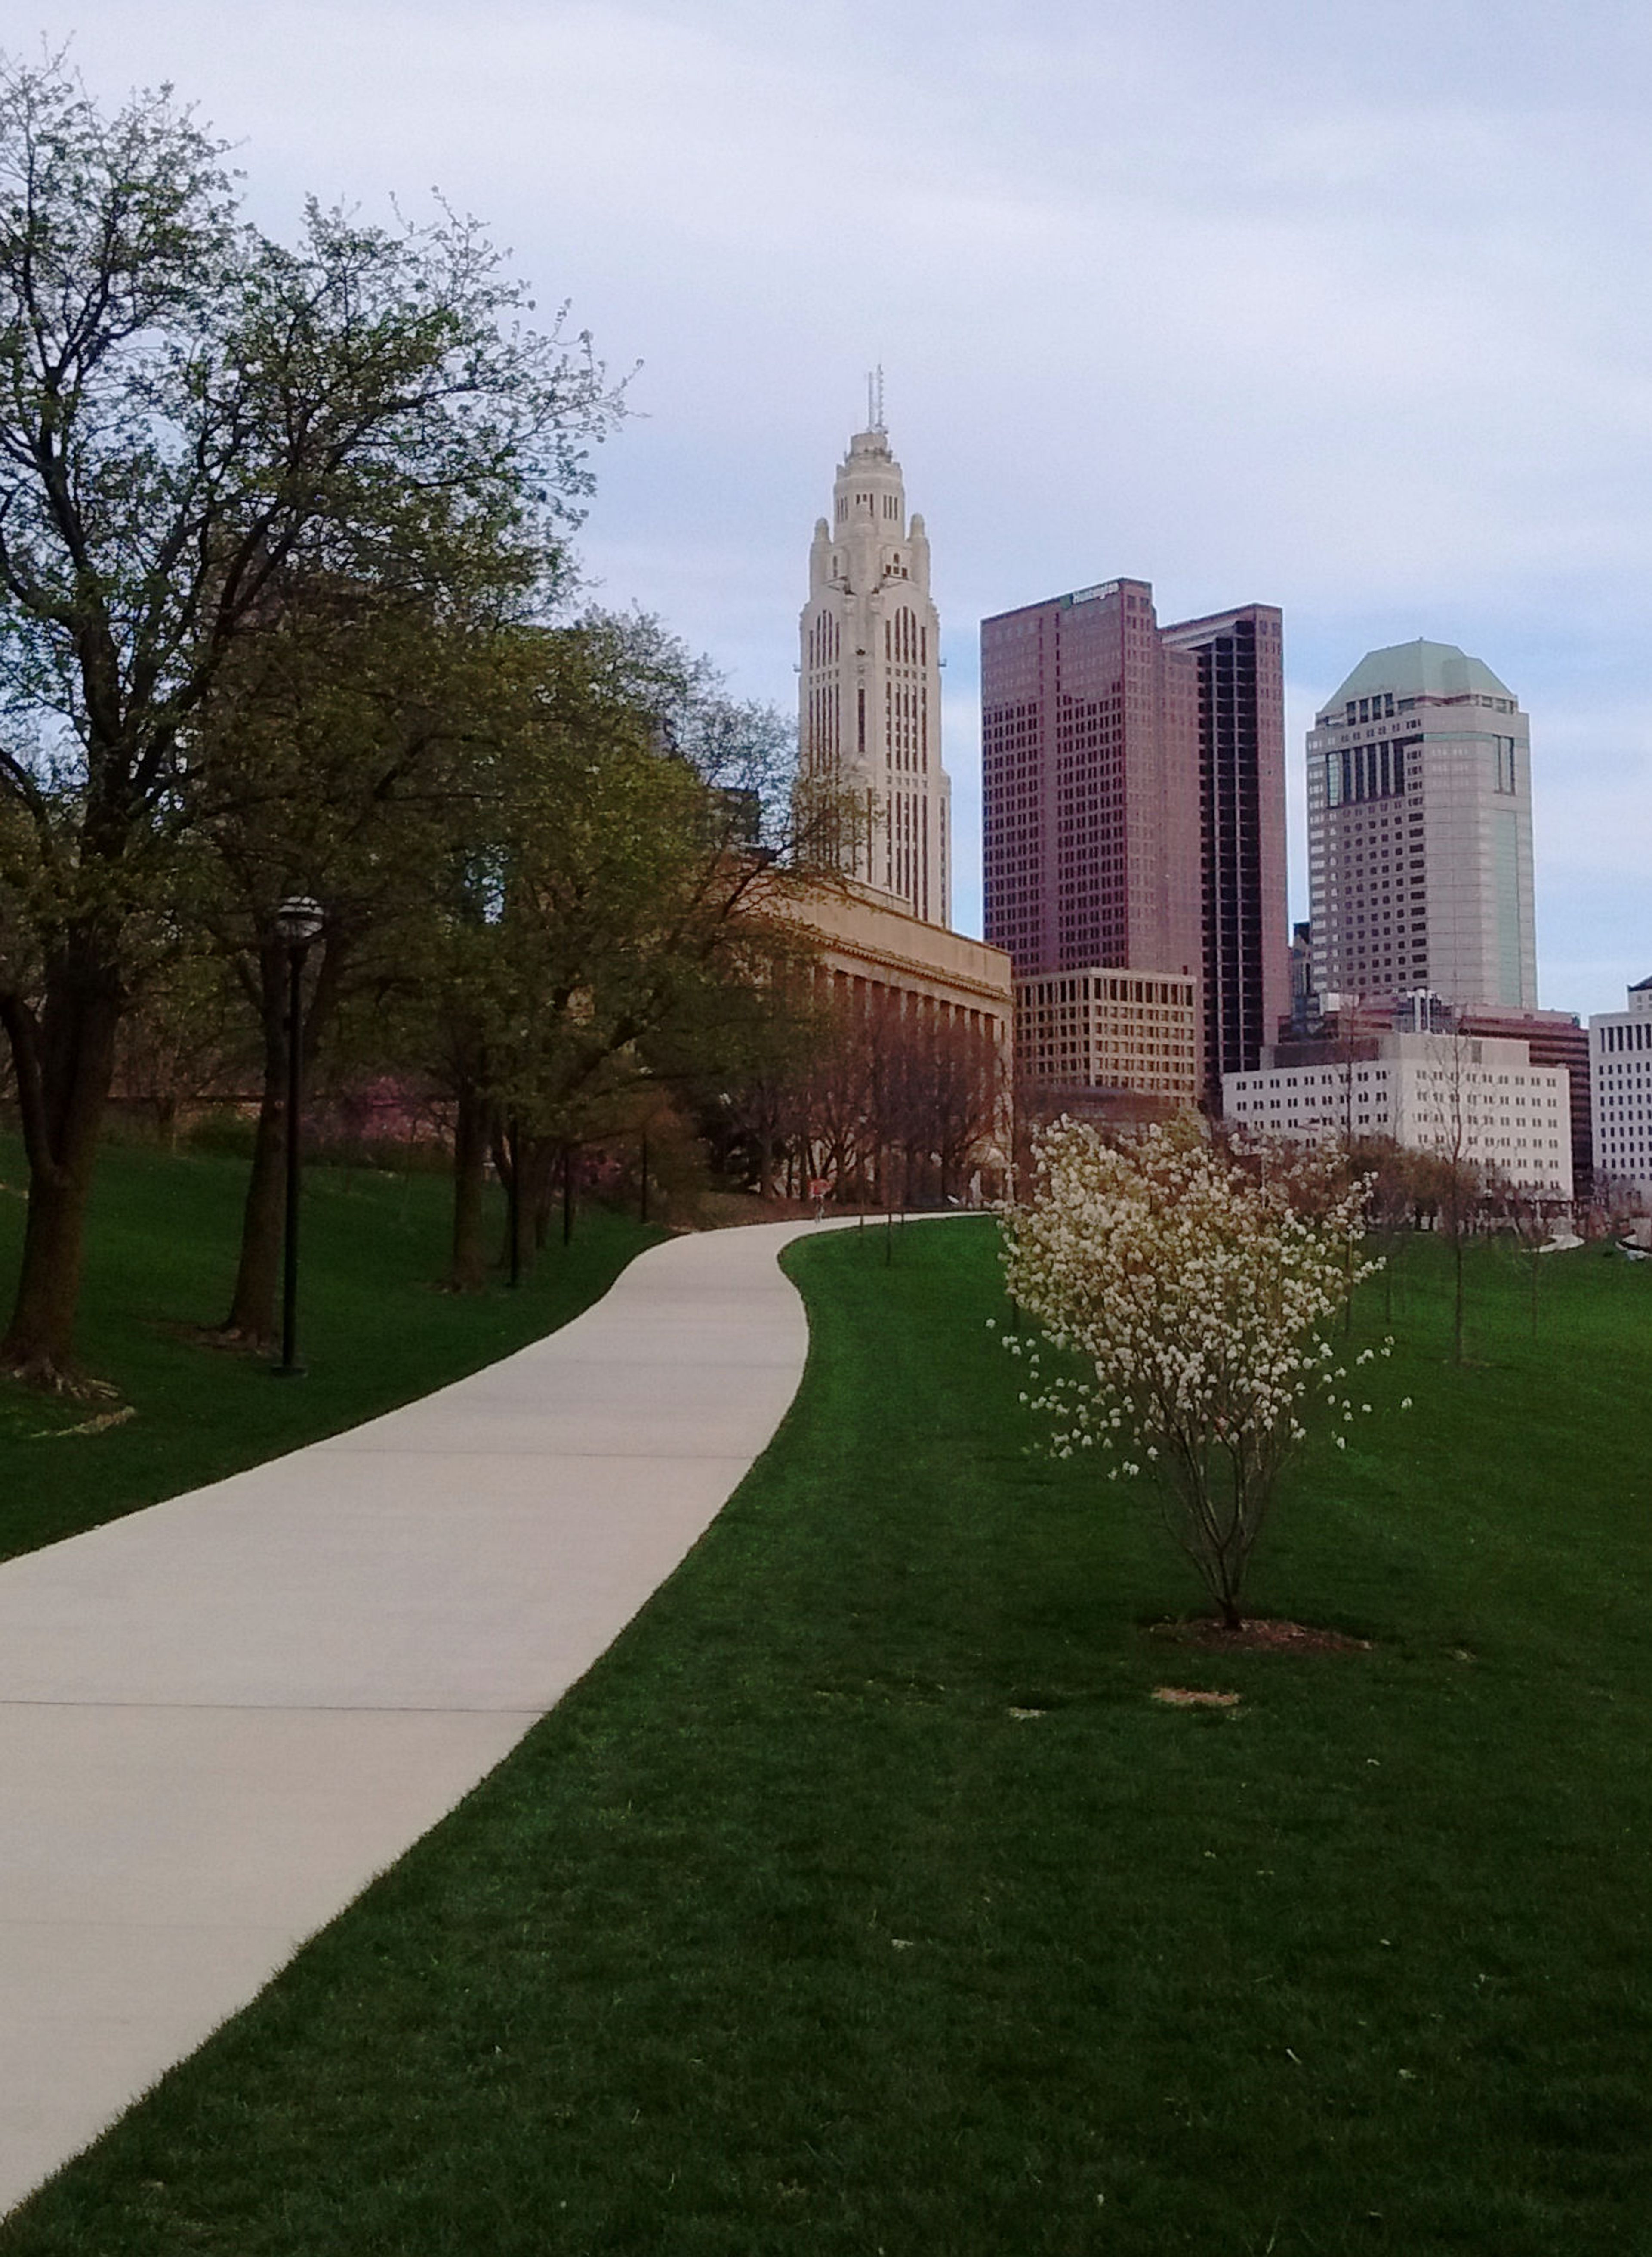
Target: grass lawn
<point x="861" y="1899"/>
<point x="160" y="1261"/>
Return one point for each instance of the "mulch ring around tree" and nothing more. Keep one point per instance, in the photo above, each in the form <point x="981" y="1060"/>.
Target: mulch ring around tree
<point x="1258" y="1635"/>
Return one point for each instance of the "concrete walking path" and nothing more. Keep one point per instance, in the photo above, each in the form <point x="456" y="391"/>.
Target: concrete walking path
<point x="220" y="1717"/>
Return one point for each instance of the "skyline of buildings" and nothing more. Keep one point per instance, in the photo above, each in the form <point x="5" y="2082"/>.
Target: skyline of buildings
<point x="1343" y="1030"/>
<point x="1133" y="825"/>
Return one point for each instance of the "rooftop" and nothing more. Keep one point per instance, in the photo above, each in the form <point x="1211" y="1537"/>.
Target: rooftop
<point x="1420" y="669"/>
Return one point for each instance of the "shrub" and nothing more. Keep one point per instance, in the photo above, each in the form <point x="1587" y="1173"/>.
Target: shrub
<point x="1195" y="1283"/>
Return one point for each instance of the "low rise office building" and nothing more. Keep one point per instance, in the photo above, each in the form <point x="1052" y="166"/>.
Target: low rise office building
<point x="1620" y="1092"/>
<point x="1477" y="1100"/>
<point x="1323" y="1026"/>
<point x="1105" y="1033"/>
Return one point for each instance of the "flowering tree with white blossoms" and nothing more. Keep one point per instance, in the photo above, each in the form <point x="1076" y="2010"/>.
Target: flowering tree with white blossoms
<point x="1195" y="1281"/>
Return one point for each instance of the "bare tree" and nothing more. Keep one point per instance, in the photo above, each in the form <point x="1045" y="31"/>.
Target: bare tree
<point x="1530" y="1220"/>
<point x="1453" y="1185"/>
<point x="955" y="1092"/>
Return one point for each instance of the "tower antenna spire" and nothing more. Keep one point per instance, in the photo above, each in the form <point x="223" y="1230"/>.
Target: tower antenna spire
<point x="874" y="397"/>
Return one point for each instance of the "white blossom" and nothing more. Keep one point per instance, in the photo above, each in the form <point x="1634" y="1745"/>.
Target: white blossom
<point x="1194" y="1284"/>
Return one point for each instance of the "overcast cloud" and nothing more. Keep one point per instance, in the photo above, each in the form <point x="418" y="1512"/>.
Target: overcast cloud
<point x="1344" y="308"/>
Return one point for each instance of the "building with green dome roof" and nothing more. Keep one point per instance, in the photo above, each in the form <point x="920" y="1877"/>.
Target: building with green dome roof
<point x="1420" y="669"/>
<point x="1419" y="832"/>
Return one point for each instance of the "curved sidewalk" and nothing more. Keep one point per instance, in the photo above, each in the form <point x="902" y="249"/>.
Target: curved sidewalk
<point x="220" y="1717"/>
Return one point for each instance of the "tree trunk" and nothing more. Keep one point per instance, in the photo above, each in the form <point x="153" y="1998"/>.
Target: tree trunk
<point x="257" y="1279"/>
<point x="251" y="1317"/>
<point x="468" y="1269"/>
<point x="40" y="1341"/>
<point x="66" y="1063"/>
<point x="540" y="1171"/>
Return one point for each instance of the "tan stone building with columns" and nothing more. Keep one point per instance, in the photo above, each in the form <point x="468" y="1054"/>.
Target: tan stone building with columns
<point x="870" y="947"/>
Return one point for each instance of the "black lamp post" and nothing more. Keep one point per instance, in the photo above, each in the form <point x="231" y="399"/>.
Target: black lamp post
<point x="297" y="924"/>
<point x="514" y="1198"/>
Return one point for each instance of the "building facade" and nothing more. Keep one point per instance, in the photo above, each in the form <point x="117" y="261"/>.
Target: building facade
<point x="1473" y="1098"/>
<point x="1241" y="722"/>
<point x="870" y="949"/>
<point x="1551" y="1038"/>
<point x="919" y="991"/>
<point x="1133" y="807"/>
<point x="1110" y="1031"/>
<point x="1621" y="1091"/>
<point x="1419" y="832"/>
<point x="1334" y="1027"/>
<point x="870" y="684"/>
<point x="1089" y="779"/>
<point x="1090" y="786"/>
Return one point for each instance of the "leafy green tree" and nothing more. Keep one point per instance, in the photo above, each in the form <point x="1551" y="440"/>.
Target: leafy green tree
<point x="188" y="410"/>
<point x="612" y="915"/>
<point x="182" y="1045"/>
<point x="336" y="760"/>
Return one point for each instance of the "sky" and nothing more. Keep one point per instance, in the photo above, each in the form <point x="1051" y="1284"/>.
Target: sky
<point x="1343" y="307"/>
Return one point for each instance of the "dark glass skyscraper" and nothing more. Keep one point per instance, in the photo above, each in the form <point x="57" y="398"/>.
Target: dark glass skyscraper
<point x="1246" y="961"/>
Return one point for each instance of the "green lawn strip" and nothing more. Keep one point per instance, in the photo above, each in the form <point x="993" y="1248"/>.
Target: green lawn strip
<point x="374" y="1331"/>
<point x="783" y="1932"/>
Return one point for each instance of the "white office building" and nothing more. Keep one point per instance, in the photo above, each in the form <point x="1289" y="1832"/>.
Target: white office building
<point x="1419" y="832"/>
<point x="1475" y="1099"/>
<point x="1620" y="1096"/>
<point x="870" y="681"/>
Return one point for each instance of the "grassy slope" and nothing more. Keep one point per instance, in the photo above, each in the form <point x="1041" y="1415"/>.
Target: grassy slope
<point x="160" y="1260"/>
<point x="784" y="1932"/>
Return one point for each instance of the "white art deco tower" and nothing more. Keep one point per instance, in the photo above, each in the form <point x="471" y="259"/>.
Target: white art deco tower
<point x="870" y="689"/>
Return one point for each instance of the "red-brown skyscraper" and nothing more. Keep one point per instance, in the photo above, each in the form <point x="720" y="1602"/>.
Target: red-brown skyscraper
<point x="1133" y="801"/>
<point x="1089" y="761"/>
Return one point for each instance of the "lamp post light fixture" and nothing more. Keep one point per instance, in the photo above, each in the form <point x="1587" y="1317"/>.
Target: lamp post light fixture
<point x="298" y="923"/>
